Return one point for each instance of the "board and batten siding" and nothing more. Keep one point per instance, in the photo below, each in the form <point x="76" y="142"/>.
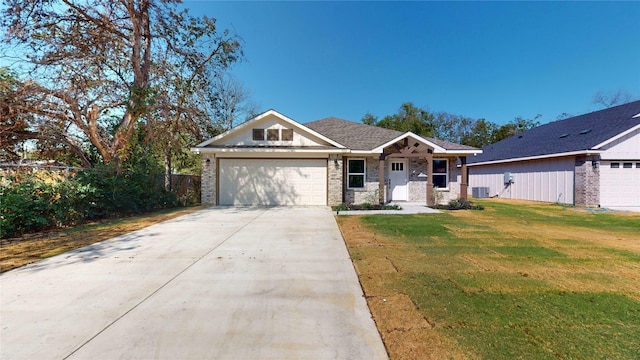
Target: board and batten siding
<point x="550" y="180"/>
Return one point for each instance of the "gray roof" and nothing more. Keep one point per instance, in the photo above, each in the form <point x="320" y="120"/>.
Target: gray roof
<point x="579" y="133"/>
<point x="357" y="136"/>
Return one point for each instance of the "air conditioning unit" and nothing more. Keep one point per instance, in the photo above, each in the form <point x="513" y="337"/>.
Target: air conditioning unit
<point x="480" y="192"/>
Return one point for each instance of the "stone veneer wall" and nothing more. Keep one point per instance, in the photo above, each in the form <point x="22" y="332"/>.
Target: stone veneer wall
<point x="208" y="187"/>
<point x="418" y="185"/>
<point x="335" y="169"/>
<point x="587" y="181"/>
<point x="370" y="193"/>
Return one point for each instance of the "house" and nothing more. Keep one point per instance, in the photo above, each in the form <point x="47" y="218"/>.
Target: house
<point x="274" y="160"/>
<point x="589" y="160"/>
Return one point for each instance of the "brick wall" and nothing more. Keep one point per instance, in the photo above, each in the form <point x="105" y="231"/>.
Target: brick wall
<point x="587" y="181"/>
<point x="334" y="181"/>
<point x="208" y="190"/>
<point x="370" y="193"/>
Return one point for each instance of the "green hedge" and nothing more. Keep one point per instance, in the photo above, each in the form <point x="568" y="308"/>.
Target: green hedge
<point x="29" y="202"/>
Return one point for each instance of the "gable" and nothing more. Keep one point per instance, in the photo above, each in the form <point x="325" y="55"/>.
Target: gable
<point x="626" y="147"/>
<point x="270" y="129"/>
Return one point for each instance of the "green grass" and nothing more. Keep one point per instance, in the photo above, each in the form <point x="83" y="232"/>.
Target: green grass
<point x="517" y="281"/>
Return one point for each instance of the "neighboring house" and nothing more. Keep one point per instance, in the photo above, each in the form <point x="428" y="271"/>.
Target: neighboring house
<point x="273" y="160"/>
<point x="587" y="160"/>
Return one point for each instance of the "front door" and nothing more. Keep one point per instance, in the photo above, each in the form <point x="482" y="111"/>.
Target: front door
<point x="398" y="180"/>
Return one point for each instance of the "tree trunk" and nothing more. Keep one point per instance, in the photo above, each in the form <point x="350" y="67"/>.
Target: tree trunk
<point x="167" y="170"/>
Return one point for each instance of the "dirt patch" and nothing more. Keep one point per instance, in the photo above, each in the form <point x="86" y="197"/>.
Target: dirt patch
<point x="29" y="248"/>
<point x="404" y="330"/>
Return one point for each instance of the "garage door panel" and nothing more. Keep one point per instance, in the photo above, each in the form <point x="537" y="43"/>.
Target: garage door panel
<point x="620" y="186"/>
<point x="273" y="182"/>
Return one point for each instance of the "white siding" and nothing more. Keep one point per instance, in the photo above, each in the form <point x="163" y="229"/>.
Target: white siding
<point x="245" y="137"/>
<point x="547" y="180"/>
<point x="625" y="148"/>
<point x="620" y="187"/>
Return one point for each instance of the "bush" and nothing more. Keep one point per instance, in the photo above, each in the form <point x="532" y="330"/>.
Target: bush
<point x="34" y="202"/>
<point x="459" y="204"/>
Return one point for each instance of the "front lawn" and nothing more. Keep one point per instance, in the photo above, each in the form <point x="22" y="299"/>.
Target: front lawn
<point x="519" y="280"/>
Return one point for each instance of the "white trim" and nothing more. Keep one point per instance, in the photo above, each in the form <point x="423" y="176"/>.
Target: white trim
<point x="618" y="136"/>
<point x="291" y="122"/>
<point x="257" y="150"/>
<point x="424" y="141"/>
<point x="572" y="153"/>
<point x="364" y="174"/>
<point x="446" y="173"/>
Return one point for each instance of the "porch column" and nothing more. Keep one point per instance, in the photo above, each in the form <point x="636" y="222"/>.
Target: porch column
<point x="381" y="198"/>
<point x="465" y="176"/>
<point x="429" y="158"/>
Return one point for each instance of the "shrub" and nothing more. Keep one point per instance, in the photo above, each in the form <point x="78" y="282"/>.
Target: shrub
<point x="459" y="204"/>
<point x="34" y="202"/>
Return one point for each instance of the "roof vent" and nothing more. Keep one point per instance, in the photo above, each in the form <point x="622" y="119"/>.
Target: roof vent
<point x="519" y="136"/>
<point x="563" y="136"/>
<point x="585" y="131"/>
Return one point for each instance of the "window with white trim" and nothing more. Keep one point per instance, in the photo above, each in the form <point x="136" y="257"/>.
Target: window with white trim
<point x="356" y="170"/>
<point x="440" y="173"/>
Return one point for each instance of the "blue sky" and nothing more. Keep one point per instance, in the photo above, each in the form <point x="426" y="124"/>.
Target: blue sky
<point x="492" y="60"/>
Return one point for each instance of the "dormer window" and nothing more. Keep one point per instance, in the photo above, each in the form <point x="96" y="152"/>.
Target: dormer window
<point x="258" y="134"/>
<point x="273" y="134"/>
<point x="287" y="134"/>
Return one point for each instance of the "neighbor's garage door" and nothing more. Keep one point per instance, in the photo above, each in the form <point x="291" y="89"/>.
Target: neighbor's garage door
<point x="273" y="182"/>
<point x="620" y="185"/>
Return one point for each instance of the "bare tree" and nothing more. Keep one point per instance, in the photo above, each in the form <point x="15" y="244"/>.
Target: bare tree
<point x="233" y="103"/>
<point x="97" y="61"/>
<point x="610" y="99"/>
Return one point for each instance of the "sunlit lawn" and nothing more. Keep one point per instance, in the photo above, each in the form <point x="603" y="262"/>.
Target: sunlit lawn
<point x="517" y="280"/>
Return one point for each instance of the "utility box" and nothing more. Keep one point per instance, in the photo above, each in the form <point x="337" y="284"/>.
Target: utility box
<point x="480" y="192"/>
<point x="509" y="178"/>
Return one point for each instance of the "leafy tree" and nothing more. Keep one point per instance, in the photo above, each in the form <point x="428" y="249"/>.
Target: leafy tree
<point x="409" y="118"/>
<point x="482" y="133"/>
<point x="514" y="127"/>
<point x="14" y="119"/>
<point x="369" y="119"/>
<point x="103" y="65"/>
<point x="453" y="128"/>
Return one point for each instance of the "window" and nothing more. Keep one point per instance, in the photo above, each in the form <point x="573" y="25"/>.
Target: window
<point x="627" y="165"/>
<point x="273" y="134"/>
<point x="287" y="134"/>
<point x="440" y="173"/>
<point x="615" y="165"/>
<point x="355" y="173"/>
<point x="258" y="134"/>
<point x="637" y="165"/>
<point x="397" y="166"/>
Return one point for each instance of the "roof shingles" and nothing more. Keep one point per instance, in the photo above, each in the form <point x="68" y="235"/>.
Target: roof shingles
<point x="579" y="133"/>
<point x="358" y="136"/>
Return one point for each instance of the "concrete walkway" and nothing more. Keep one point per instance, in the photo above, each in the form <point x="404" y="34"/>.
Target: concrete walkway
<point x="223" y="283"/>
<point x="407" y="208"/>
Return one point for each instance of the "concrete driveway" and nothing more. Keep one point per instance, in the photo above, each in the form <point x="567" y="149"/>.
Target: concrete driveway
<point x="222" y="283"/>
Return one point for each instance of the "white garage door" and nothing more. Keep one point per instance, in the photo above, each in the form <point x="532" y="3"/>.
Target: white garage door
<point x="620" y="185"/>
<point x="273" y="182"/>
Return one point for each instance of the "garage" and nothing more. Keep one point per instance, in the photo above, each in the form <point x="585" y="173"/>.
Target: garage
<point x="619" y="184"/>
<point x="272" y="182"/>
